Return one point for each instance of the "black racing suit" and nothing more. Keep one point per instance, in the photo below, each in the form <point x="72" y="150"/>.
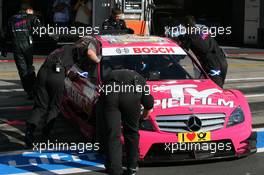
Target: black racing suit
<point x="21" y="28"/>
<point x="112" y="24"/>
<point x="209" y="54"/>
<point x="49" y="87"/>
<point x="122" y="108"/>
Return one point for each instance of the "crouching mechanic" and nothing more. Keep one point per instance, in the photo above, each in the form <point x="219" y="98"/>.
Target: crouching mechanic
<point x="123" y="108"/>
<point x="49" y="87"/>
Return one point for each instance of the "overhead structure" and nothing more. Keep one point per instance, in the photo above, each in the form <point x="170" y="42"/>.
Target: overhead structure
<point x="137" y="13"/>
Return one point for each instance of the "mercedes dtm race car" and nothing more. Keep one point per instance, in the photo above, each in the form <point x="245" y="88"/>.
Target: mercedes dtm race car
<point x="193" y="119"/>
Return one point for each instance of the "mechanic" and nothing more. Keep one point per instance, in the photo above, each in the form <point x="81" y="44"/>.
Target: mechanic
<point x="207" y="50"/>
<point x="115" y="24"/>
<point x="21" y="29"/>
<point x="49" y="87"/>
<point x="122" y="107"/>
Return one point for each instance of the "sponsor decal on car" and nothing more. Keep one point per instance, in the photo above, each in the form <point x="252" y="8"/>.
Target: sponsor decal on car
<point x="188" y="95"/>
<point x="156" y="50"/>
<point x="194" y="137"/>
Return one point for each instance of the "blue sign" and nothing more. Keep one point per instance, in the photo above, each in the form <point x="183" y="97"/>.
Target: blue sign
<point x="260" y="140"/>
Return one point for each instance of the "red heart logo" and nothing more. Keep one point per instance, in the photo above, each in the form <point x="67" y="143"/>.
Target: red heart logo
<point x="191" y="136"/>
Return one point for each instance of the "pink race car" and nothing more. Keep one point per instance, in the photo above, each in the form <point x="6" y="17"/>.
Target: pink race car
<point x="193" y="118"/>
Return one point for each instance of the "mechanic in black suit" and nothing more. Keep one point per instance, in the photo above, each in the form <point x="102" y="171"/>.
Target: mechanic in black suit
<point x="21" y="29"/>
<point x="207" y="50"/>
<point x="49" y="87"/>
<point x="124" y="108"/>
<point x="114" y="24"/>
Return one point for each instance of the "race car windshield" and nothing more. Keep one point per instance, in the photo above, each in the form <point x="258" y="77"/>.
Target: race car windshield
<point x="154" y="67"/>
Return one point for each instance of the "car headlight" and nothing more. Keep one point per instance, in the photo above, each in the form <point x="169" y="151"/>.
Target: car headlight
<point x="236" y="117"/>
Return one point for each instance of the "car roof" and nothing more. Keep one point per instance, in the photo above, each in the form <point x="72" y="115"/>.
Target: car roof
<point x="134" y="40"/>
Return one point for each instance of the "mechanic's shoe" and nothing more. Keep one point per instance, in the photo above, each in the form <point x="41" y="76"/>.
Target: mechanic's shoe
<point x="30" y="95"/>
<point x="46" y="136"/>
<point x="29" y="136"/>
<point x="29" y="139"/>
<point x="131" y="171"/>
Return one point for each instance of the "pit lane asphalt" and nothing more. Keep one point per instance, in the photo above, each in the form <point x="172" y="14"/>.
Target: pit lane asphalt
<point x="252" y="165"/>
<point x="13" y="114"/>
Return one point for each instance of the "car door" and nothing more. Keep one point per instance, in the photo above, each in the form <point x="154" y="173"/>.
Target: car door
<point x="83" y="91"/>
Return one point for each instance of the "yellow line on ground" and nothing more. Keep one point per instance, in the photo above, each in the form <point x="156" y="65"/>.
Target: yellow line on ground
<point x="247" y="65"/>
<point x="13" y="74"/>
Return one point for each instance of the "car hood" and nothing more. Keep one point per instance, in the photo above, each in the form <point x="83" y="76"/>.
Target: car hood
<point x="197" y="96"/>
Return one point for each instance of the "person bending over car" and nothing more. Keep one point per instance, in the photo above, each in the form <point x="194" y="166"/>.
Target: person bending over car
<point x="207" y="50"/>
<point x="124" y="108"/>
<point x="49" y="87"/>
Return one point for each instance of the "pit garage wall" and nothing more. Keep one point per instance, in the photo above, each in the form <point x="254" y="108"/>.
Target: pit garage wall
<point x="101" y="11"/>
<point x="252" y="21"/>
<point x="261" y="28"/>
<point x="221" y="12"/>
<point x="245" y="16"/>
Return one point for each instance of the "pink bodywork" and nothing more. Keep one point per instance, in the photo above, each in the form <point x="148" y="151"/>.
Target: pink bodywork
<point x="237" y="134"/>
